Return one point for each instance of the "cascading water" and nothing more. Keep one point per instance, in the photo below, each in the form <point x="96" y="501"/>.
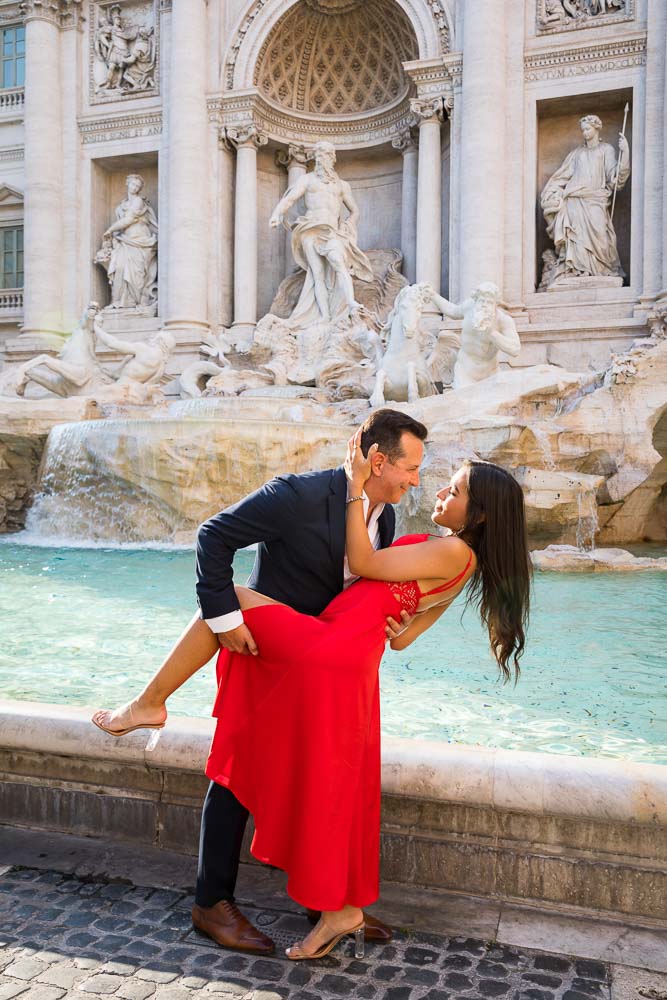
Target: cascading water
<point x="156" y="480"/>
<point x="587" y="520"/>
<point x="80" y="498"/>
<point x="543" y="442"/>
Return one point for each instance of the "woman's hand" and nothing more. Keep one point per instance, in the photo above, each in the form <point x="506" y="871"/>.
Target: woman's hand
<point x="358" y="468"/>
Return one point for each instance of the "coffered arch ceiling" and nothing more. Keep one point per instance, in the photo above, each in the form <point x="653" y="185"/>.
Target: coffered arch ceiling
<point x="337" y="57"/>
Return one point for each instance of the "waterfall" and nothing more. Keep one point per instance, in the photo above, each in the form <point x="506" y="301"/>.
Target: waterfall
<point x="543" y="442"/>
<point x="587" y="520"/>
<point x="155" y="480"/>
<point x="80" y="499"/>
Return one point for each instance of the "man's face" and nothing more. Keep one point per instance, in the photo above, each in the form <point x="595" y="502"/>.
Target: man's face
<point x="392" y="480"/>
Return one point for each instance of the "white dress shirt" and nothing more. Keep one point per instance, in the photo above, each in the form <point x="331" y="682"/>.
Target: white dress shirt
<point x="225" y="623"/>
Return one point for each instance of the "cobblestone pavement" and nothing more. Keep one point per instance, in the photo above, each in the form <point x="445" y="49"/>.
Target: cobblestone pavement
<point x="61" y="936"/>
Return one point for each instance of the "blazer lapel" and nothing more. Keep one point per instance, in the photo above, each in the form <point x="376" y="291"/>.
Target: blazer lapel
<point x="386" y="525"/>
<point x="337" y="499"/>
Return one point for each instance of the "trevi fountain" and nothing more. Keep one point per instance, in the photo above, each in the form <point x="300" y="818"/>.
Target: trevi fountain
<point x="243" y="225"/>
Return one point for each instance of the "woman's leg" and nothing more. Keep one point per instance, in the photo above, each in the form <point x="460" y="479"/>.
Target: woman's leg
<point x="193" y="650"/>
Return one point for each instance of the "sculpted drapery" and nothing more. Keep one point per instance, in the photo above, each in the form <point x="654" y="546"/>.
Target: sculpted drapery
<point x="575" y="202"/>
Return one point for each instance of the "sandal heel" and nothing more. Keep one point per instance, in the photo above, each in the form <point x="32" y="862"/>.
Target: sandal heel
<point x="359" y="942"/>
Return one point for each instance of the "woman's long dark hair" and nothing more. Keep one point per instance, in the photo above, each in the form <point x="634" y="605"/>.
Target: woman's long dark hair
<point x="499" y="588"/>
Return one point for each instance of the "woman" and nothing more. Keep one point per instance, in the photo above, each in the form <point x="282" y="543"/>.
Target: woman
<point x="298" y="742"/>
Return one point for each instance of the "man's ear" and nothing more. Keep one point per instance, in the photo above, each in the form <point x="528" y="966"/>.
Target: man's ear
<point x="377" y="463"/>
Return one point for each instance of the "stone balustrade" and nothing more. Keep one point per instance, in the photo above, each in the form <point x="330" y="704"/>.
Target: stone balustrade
<point x="12" y="99"/>
<point x="11" y="300"/>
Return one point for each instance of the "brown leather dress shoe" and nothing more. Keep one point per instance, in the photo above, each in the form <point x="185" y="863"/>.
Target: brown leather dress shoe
<point x="374" y="929"/>
<point x="227" y="926"/>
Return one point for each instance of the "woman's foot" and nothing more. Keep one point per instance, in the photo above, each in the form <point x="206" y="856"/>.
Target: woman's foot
<point x="331" y="927"/>
<point x="135" y="715"/>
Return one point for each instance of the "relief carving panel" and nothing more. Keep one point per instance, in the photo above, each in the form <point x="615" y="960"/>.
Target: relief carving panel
<point x="124" y="51"/>
<point x="565" y="15"/>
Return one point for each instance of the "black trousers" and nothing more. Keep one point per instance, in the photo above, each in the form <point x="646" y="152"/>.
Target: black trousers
<point x="223" y="824"/>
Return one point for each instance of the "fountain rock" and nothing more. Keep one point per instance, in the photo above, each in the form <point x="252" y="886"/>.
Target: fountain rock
<point x="569" y="559"/>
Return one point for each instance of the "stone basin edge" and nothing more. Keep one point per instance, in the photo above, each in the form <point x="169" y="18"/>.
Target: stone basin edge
<point x="527" y="782"/>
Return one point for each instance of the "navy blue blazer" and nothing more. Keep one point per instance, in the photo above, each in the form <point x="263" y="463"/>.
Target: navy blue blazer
<point x="298" y="522"/>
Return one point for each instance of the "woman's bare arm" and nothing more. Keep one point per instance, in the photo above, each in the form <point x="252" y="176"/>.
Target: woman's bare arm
<point x="418" y="626"/>
<point x="439" y="559"/>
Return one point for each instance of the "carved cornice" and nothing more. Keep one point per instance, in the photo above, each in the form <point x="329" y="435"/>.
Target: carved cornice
<point x="434" y="78"/>
<point x="62" y="13"/>
<point x="111" y="128"/>
<point x="11" y="12"/>
<point x="346" y="132"/>
<point x="586" y="60"/>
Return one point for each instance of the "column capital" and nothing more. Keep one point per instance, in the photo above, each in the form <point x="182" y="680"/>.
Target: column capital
<point x="407" y="139"/>
<point x="244" y="135"/>
<point x="62" y="13"/>
<point x="429" y="109"/>
<point x="293" y="154"/>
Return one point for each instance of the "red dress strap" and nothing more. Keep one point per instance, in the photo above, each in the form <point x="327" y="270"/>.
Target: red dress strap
<point x="450" y="583"/>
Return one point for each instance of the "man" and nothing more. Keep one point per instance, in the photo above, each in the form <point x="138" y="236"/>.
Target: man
<point x="324" y="244"/>
<point x="575" y="202"/>
<point x="486" y="330"/>
<point x="298" y="522"/>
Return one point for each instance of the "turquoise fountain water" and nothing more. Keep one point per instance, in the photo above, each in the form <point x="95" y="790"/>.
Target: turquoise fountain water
<point x="88" y="626"/>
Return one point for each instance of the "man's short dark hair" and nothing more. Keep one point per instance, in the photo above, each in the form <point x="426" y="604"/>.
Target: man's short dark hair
<point x="384" y="427"/>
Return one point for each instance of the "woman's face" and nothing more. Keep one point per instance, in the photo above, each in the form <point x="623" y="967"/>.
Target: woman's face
<point x="451" y="503"/>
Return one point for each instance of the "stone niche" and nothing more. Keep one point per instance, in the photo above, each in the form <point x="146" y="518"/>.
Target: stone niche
<point x="558" y="133"/>
<point x="375" y="176"/>
<point x="108" y="190"/>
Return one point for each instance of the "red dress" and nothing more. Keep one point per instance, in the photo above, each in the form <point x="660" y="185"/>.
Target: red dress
<point x="298" y="738"/>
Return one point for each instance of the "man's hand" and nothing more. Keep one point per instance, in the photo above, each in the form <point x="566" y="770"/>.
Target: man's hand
<point x="238" y="640"/>
<point x="394" y="628"/>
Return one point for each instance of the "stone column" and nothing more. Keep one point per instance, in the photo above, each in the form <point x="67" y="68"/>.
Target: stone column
<point x="406" y="143"/>
<point x="663" y="288"/>
<point x="187" y="233"/>
<point x="482" y="161"/>
<point x="43" y="222"/>
<point x="429" y="191"/>
<point x="247" y="140"/>
<point x="294" y="159"/>
<point x="647" y="220"/>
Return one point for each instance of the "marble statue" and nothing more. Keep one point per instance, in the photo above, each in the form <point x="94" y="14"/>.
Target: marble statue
<point x="127" y="54"/>
<point x="139" y="71"/>
<point x="75" y="371"/>
<point x="195" y="376"/>
<point x="324" y="244"/>
<point x="145" y="360"/>
<point x="403" y="374"/>
<point x="576" y="205"/>
<point x="129" y="252"/>
<point x="487" y="329"/>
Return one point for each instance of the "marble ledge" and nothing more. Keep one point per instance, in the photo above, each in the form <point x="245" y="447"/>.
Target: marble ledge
<point x="606" y="790"/>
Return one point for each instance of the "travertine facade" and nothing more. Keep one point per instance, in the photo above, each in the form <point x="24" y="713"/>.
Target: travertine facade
<point x="449" y="117"/>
